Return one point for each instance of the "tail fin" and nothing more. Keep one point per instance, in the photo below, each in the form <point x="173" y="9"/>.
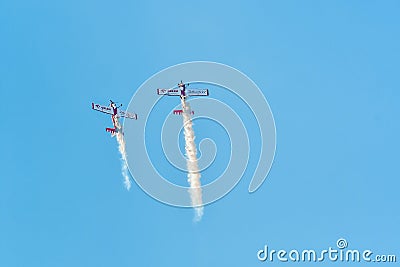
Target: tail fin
<point x="111" y="130"/>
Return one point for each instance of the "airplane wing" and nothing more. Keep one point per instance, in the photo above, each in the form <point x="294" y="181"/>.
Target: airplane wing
<point x="197" y="92"/>
<point x="104" y="109"/>
<point x="171" y="92"/>
<point x="177" y="92"/>
<point x="127" y="115"/>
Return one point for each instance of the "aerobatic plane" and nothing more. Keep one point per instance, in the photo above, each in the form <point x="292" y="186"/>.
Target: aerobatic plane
<point x="183" y="92"/>
<point x="112" y="110"/>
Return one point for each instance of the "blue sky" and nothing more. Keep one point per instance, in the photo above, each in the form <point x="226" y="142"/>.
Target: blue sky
<point x="329" y="71"/>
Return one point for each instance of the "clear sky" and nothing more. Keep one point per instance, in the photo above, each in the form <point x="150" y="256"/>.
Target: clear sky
<point x="329" y="70"/>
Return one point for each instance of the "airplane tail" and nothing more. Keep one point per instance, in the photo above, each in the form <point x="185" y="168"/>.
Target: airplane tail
<point x="111" y="130"/>
<point x="180" y="111"/>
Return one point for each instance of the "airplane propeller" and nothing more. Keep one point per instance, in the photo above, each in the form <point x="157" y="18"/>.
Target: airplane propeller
<point x="112" y="102"/>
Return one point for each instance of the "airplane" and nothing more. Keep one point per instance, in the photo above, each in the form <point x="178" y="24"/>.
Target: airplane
<point x="183" y="93"/>
<point x="112" y="109"/>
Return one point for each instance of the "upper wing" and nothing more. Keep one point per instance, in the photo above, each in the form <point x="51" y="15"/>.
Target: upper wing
<point x="104" y="109"/>
<point x="173" y="92"/>
<point x="128" y="115"/>
<point x="197" y="92"/>
<point x="177" y="92"/>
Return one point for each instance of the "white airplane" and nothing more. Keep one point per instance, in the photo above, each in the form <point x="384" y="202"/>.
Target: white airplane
<point x="183" y="93"/>
<point x="112" y="109"/>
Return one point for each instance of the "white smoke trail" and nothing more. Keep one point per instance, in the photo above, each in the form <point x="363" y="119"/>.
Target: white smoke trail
<point x="191" y="162"/>
<point x="121" y="147"/>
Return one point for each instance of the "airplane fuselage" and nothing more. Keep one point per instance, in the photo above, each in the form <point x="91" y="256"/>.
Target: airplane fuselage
<point x="182" y="86"/>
